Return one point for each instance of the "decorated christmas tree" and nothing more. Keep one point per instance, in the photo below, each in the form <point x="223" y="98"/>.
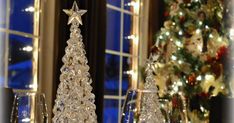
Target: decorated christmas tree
<point x="190" y="51"/>
<point x="75" y="102"/>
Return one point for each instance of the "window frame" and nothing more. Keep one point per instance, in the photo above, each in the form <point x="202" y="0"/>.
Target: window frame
<point x="134" y="54"/>
<point x="35" y="36"/>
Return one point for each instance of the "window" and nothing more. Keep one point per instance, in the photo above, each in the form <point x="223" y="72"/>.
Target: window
<point x="19" y="36"/>
<point x="121" y="63"/>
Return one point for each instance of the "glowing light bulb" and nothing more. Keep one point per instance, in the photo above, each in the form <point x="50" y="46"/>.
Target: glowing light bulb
<point x="180" y="32"/>
<point x="167" y="33"/>
<point x="129" y="72"/>
<point x="180" y="62"/>
<point x="29" y="9"/>
<point x="130" y="37"/>
<point x="178" y="43"/>
<point x="27" y="48"/>
<point x="160" y="37"/>
<point x="173" y="57"/>
<point x="199" y="78"/>
<point x="176" y="88"/>
<point x="211" y="36"/>
<point x="198" y="31"/>
<point x="181" y="13"/>
<point x="132" y="3"/>
<point x="202" y="109"/>
<point x="200" y="22"/>
<point x="220" y="39"/>
<point x="26" y="120"/>
<point x="33" y="86"/>
<point x="222" y="87"/>
<point x="179" y="83"/>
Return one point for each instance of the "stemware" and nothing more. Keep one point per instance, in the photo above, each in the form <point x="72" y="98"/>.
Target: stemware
<point x="29" y="107"/>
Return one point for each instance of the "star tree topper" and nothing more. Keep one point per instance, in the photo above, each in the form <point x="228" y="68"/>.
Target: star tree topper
<point x="75" y="14"/>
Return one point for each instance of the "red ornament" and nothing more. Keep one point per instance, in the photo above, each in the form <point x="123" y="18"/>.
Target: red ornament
<point x="192" y="79"/>
<point x="175" y="103"/>
<point x="204" y="95"/>
<point x="217" y="69"/>
<point x="221" y="52"/>
<point x="166" y="14"/>
<point x="209" y="58"/>
<point x="182" y="19"/>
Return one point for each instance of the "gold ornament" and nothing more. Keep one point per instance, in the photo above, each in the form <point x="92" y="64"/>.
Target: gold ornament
<point x="217" y="84"/>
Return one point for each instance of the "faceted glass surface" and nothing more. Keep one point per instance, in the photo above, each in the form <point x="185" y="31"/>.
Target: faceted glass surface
<point x="20" y="62"/>
<point x="113" y="30"/>
<point x="111" y="75"/>
<point x="21" y="15"/>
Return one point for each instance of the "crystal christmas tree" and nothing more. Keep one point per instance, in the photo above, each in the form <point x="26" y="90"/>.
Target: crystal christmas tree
<point x="74" y="101"/>
<point x="150" y="112"/>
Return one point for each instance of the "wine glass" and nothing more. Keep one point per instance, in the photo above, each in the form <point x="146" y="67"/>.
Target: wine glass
<point x="29" y="107"/>
<point x="142" y="106"/>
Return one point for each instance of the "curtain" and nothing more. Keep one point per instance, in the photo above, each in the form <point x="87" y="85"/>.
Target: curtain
<point x="94" y="36"/>
<point x="6" y="101"/>
<point x="221" y="110"/>
<point x="156" y="20"/>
